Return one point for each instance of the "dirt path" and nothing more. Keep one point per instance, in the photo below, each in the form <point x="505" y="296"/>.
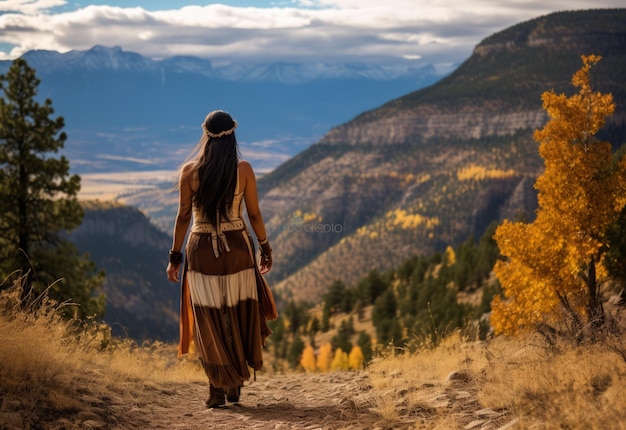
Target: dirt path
<point x="340" y="400"/>
<point x="296" y="400"/>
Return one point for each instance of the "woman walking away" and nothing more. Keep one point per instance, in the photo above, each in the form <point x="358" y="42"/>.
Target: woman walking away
<point x="224" y="299"/>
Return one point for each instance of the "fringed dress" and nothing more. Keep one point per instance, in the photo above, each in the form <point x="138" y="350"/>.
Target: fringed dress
<point x="219" y="298"/>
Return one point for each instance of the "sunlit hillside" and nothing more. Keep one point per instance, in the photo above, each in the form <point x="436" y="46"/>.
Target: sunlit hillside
<point x="438" y="165"/>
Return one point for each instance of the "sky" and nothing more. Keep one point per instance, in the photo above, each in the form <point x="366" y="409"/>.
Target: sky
<point x="263" y="31"/>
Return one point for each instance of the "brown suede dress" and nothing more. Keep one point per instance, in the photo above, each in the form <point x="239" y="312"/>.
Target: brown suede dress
<point x="219" y="298"/>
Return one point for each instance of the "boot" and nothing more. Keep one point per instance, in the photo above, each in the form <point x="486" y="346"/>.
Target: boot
<point x="232" y="395"/>
<point x="216" y="397"/>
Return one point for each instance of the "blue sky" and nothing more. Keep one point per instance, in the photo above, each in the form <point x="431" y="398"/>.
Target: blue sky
<point x="440" y="32"/>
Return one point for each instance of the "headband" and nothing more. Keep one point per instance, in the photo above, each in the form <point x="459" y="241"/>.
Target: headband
<point x="221" y="133"/>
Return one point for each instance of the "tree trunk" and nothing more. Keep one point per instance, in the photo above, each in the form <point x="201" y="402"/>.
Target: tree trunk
<point x="595" y="310"/>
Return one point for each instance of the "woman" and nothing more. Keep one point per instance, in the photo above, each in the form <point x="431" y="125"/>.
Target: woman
<point x="220" y="280"/>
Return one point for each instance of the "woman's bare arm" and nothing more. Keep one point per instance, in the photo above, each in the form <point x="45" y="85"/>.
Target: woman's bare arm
<point x="183" y="217"/>
<point x="254" y="214"/>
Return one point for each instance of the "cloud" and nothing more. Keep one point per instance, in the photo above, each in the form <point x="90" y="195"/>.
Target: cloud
<point x="434" y="31"/>
<point x="29" y="7"/>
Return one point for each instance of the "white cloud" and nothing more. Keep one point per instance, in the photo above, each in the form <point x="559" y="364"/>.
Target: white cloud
<point x="431" y="31"/>
<point x="29" y="6"/>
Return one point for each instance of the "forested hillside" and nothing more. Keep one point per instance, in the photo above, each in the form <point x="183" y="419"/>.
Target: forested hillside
<point x="140" y="302"/>
<point x="437" y="166"/>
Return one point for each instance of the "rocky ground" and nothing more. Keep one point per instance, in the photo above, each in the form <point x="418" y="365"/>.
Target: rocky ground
<point x="329" y="401"/>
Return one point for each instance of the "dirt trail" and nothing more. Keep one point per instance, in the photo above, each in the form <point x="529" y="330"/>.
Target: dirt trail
<point x="281" y="401"/>
<point x="339" y="400"/>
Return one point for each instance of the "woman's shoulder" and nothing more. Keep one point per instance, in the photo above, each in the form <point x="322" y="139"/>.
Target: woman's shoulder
<point x="188" y="167"/>
<point x="187" y="170"/>
<point x="245" y="167"/>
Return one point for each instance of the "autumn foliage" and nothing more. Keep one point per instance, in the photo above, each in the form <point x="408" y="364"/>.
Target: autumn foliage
<point x="327" y="360"/>
<point x="553" y="267"/>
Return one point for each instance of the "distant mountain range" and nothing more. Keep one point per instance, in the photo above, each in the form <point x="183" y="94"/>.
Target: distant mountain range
<point x="126" y="112"/>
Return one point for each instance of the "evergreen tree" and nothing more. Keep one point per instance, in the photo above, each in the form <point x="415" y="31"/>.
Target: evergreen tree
<point x="385" y="307"/>
<point x="294" y="353"/>
<point x="38" y="202"/>
<point x="342" y="338"/>
<point x="372" y="286"/>
<point x="365" y="343"/>
<point x="339" y="298"/>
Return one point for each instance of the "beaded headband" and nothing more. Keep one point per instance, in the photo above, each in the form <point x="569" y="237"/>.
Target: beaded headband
<point x="221" y="133"/>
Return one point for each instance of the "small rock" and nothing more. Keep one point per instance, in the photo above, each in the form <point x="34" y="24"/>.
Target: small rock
<point x="459" y="376"/>
<point x="462" y="395"/>
<point x="486" y="413"/>
<point x="618" y="299"/>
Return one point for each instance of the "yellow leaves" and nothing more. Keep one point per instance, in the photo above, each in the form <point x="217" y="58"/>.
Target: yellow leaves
<point x="308" y="359"/>
<point x="449" y="256"/>
<point x="356" y="359"/>
<point x="412" y="179"/>
<point x="578" y="117"/>
<point x="327" y="361"/>
<point x="474" y="172"/>
<point x="401" y="218"/>
<point x="340" y="360"/>
<point x="550" y="258"/>
<point x="581" y="77"/>
<point x="547" y="262"/>
<point x="324" y="358"/>
<point x="305" y="217"/>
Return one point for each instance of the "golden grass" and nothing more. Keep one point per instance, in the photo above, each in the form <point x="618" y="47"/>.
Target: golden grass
<point x="50" y="368"/>
<point x="48" y="365"/>
<point x="509" y="381"/>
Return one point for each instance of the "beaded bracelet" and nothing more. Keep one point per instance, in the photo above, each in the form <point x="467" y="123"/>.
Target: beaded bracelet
<point x="176" y="257"/>
<point x="263" y="242"/>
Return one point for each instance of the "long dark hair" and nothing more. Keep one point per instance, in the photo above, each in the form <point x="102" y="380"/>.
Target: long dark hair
<point x="217" y="166"/>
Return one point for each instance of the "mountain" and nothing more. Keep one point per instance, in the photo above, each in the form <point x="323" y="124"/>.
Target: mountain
<point x="438" y="165"/>
<point x="141" y="303"/>
<point x="125" y="112"/>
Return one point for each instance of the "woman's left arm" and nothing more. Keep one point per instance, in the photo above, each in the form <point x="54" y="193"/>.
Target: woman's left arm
<point x="183" y="218"/>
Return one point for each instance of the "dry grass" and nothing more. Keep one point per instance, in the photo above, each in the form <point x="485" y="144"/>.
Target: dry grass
<point x="49" y="367"/>
<point x="515" y="382"/>
<point x="55" y="375"/>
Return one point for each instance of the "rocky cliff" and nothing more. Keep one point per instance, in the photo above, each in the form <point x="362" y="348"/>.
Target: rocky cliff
<point x="436" y="166"/>
<point x="141" y="302"/>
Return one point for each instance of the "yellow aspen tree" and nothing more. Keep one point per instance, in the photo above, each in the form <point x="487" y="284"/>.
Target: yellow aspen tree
<point x="325" y="356"/>
<point x="553" y="270"/>
<point x="340" y="360"/>
<point x="356" y="358"/>
<point x="449" y="256"/>
<point x="308" y="359"/>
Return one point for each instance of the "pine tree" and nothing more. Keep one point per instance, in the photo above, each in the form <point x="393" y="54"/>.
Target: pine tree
<point x="38" y="202"/>
<point x="554" y="266"/>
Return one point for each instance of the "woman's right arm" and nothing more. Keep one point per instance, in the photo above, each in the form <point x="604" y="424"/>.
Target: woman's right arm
<point x="183" y="218"/>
